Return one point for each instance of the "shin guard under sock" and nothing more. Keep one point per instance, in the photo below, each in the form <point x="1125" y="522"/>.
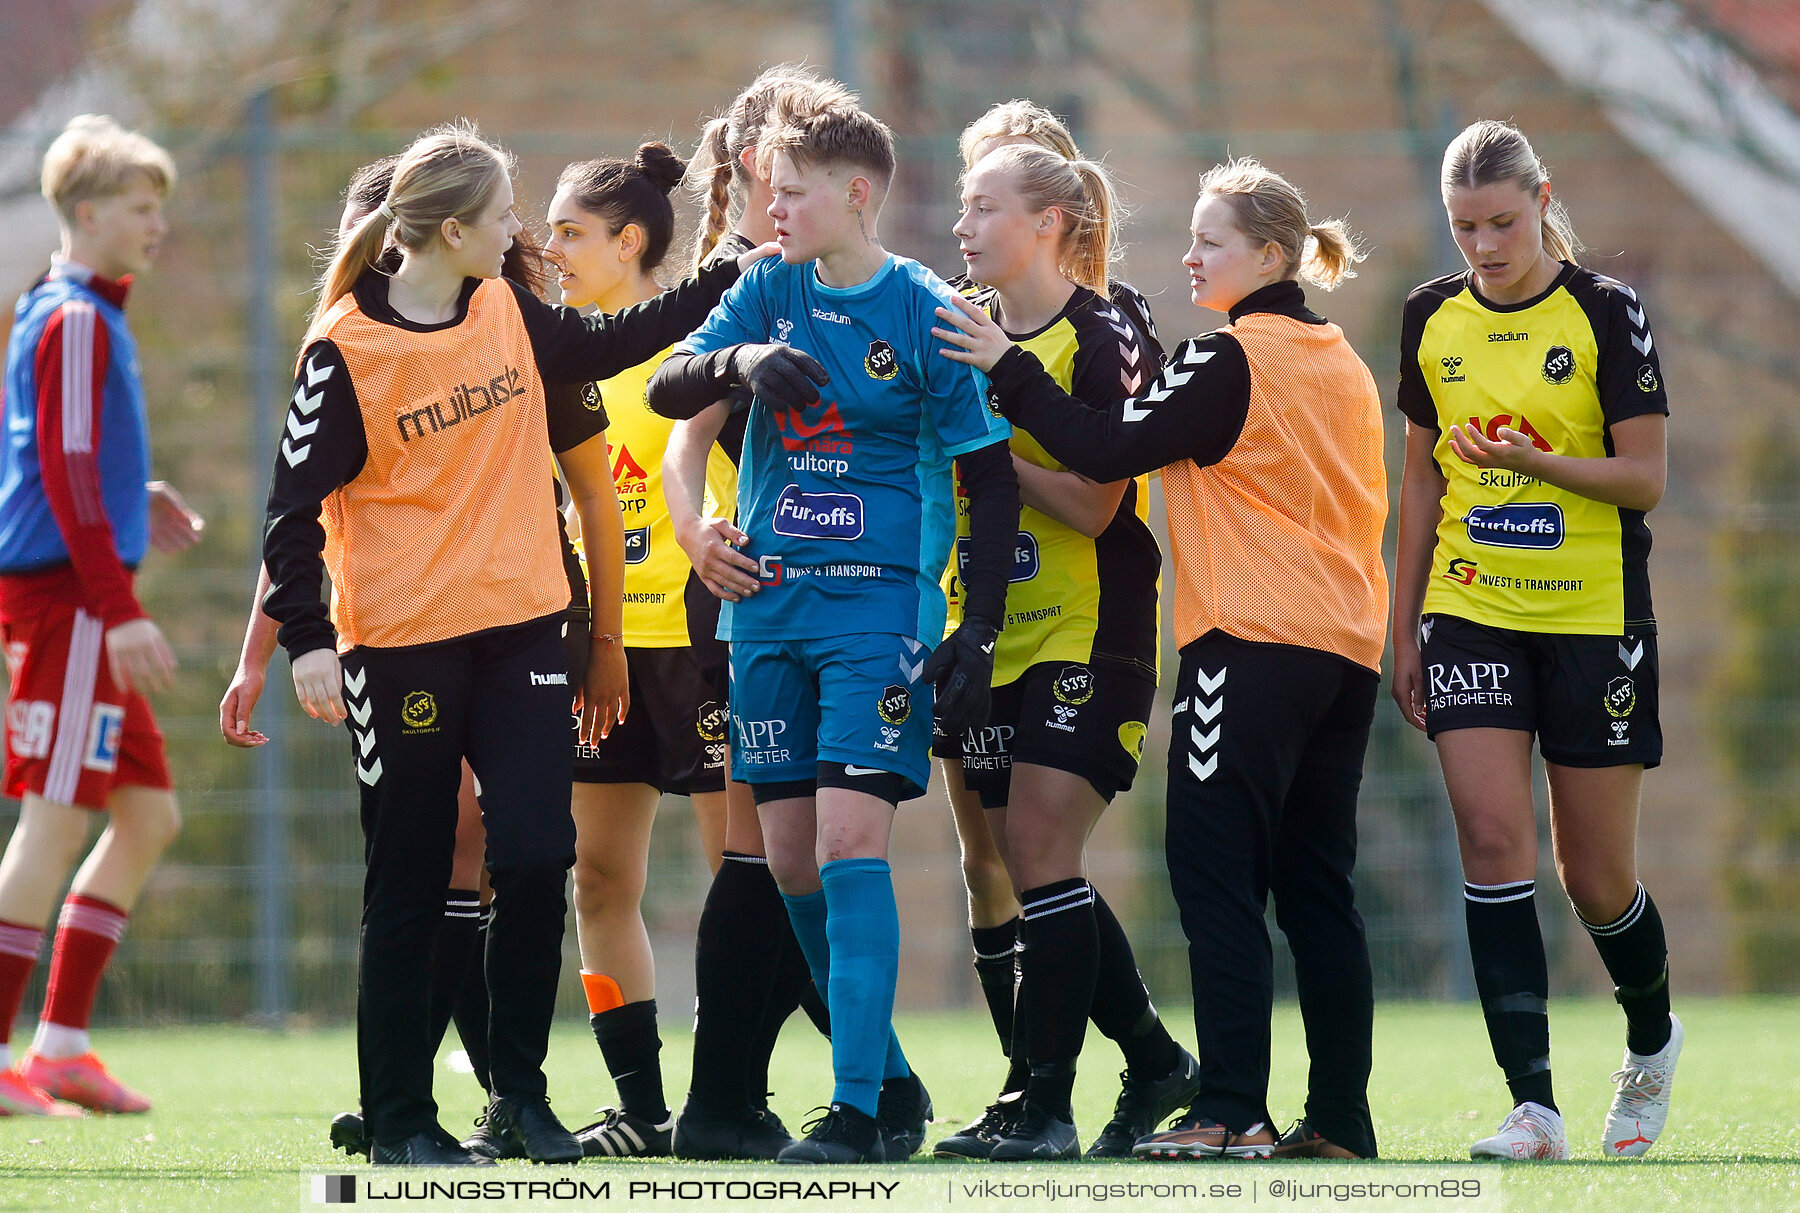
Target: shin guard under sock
<point x="628" y="1040"/>
<point x="1512" y="978"/>
<point x="1122" y="1008"/>
<point x="1636" y="955"/>
<point x="997" y="968"/>
<point x="1059" y="961"/>
<point x="740" y="953"/>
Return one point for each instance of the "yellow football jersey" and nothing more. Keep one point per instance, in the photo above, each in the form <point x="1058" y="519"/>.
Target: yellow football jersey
<point x="1512" y="551"/>
<point x="656" y="569"/>
<point x="1071" y="597"/>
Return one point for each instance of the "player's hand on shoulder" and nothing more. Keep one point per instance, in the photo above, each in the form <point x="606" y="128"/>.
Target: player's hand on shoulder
<point x="712" y="547"/>
<point x="746" y="260"/>
<point x="784" y="378"/>
<point x="974" y="338"/>
<point x="139" y="657"/>
<point x="319" y="685"/>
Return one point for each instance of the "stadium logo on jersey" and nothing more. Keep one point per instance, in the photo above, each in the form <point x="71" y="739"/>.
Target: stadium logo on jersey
<point x="895" y="704"/>
<point x="881" y="362"/>
<point x="1025" y="556"/>
<point x="769" y="570"/>
<point x="1559" y="365"/>
<point x="818" y="515"/>
<point x="106" y="728"/>
<point x="31" y="727"/>
<point x="709" y="722"/>
<point x="831" y="317"/>
<point x="1509" y="337"/>
<point x="1131" y="735"/>
<point x="1646" y="378"/>
<point x="1074" y="685"/>
<point x="784" y="328"/>
<point x="637" y="545"/>
<point x="1537" y="526"/>
<point x="1452" y="370"/>
<point x="462" y="405"/>
<point x="1621" y="697"/>
<point x="418" y="711"/>
<point x="1461" y="571"/>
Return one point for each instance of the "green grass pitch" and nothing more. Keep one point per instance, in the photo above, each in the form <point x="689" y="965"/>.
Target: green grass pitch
<point x="241" y="1115"/>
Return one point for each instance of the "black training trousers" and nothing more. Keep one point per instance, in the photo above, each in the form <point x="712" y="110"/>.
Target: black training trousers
<point x="501" y="698"/>
<point x="1265" y="760"/>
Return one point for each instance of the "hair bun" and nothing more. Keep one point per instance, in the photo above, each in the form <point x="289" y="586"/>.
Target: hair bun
<point x="659" y="163"/>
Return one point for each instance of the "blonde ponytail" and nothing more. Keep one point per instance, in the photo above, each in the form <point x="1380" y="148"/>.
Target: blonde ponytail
<point x="355" y="253"/>
<point x="711" y="172"/>
<point x="1089" y="256"/>
<point x="1331" y="251"/>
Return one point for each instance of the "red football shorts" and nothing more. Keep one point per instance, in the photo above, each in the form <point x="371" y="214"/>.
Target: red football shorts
<point x="72" y="734"/>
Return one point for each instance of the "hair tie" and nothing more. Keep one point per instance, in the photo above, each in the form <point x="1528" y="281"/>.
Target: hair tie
<point x="385" y="211"/>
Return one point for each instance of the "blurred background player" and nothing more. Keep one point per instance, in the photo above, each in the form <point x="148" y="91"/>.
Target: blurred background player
<point x="611" y="224"/>
<point x="749" y="972"/>
<point x="849" y="516"/>
<point x="1268" y="434"/>
<point x="76" y="517"/>
<point x="1122" y="1010"/>
<point x="1522" y="608"/>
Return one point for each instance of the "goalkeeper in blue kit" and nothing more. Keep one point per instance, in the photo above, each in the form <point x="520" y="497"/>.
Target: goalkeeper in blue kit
<point x="847" y="497"/>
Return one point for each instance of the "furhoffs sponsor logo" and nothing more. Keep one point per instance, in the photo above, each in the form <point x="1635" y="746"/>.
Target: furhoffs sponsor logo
<point x="818" y="515"/>
<point x="1537" y="525"/>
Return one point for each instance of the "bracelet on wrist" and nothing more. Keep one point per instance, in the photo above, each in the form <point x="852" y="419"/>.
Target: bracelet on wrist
<point x="606" y="637"/>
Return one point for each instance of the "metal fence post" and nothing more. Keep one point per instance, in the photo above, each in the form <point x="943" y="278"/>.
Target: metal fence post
<point x="269" y="802"/>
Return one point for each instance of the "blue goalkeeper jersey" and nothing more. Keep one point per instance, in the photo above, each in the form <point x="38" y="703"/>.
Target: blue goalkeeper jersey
<point x="850" y="505"/>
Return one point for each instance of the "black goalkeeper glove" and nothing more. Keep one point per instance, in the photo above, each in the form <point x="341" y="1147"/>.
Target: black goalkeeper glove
<point x="784" y="378"/>
<point x="962" y="670"/>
